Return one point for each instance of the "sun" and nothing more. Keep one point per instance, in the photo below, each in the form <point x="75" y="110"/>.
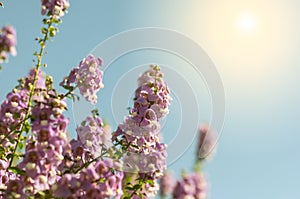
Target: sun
<point x="246" y="23"/>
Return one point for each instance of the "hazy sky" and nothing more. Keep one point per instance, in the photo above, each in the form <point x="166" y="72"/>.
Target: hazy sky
<point x="254" y="45"/>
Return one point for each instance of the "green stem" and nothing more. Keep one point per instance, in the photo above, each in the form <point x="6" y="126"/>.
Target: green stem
<point x="32" y="88"/>
<point x="85" y="165"/>
<point x="69" y="92"/>
<point x="198" y="166"/>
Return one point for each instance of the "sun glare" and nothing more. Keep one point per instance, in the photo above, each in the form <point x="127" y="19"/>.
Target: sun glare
<point x="246" y="23"/>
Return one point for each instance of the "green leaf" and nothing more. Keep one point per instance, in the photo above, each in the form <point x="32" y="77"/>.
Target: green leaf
<point x="21" y="145"/>
<point x="44" y="31"/>
<point x="129" y="188"/>
<point x="16" y="170"/>
<point x="2" y="151"/>
<point x="26" y="126"/>
<point x="137" y="186"/>
<point x="102" y="180"/>
<point x="10" y="155"/>
<point x="52" y="33"/>
<point x="151" y="182"/>
<point x="140" y="195"/>
<point x="41" y="194"/>
<point x="35" y="54"/>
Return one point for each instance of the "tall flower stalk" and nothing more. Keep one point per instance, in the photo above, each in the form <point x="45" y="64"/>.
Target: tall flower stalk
<point x="47" y="32"/>
<point x="138" y="136"/>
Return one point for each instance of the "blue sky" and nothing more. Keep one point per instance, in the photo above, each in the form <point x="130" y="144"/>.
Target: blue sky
<point x="257" y="154"/>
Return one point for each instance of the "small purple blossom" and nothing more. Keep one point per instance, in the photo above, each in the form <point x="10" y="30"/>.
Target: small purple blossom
<point x="40" y="80"/>
<point x="8" y="41"/>
<point x="15" y="189"/>
<point x="55" y="7"/>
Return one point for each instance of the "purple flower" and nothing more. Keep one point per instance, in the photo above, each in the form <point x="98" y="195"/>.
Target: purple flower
<point x="191" y="186"/>
<point x="139" y="134"/>
<point x="15" y="189"/>
<point x="40" y="80"/>
<point x="96" y="181"/>
<point x="88" y="77"/>
<point x="47" y="145"/>
<point x="5" y="176"/>
<point x="7" y="42"/>
<point x="68" y="186"/>
<point x="13" y="108"/>
<point x="167" y="184"/>
<point x="206" y="142"/>
<point x="92" y="135"/>
<point x="12" y="112"/>
<point x="55" y="7"/>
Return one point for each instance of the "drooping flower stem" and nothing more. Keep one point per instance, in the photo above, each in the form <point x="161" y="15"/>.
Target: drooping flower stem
<point x="46" y="32"/>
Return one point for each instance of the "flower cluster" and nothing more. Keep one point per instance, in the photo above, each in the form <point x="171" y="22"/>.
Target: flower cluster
<point x="56" y="8"/>
<point x="139" y="134"/>
<point x="12" y="112"/>
<point x="97" y="181"/>
<point x="93" y="136"/>
<point x="5" y="176"/>
<point x="191" y="186"/>
<point x="40" y="83"/>
<point x="87" y="77"/>
<point x="12" y="119"/>
<point x="46" y="143"/>
<point x="92" y="142"/>
<point x="152" y="93"/>
<point x="8" y="42"/>
<point x="46" y="146"/>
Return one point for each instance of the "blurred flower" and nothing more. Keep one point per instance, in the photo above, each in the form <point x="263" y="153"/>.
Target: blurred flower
<point x="191" y="186"/>
<point x="167" y="184"/>
<point x="8" y="41"/>
<point x="206" y="142"/>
